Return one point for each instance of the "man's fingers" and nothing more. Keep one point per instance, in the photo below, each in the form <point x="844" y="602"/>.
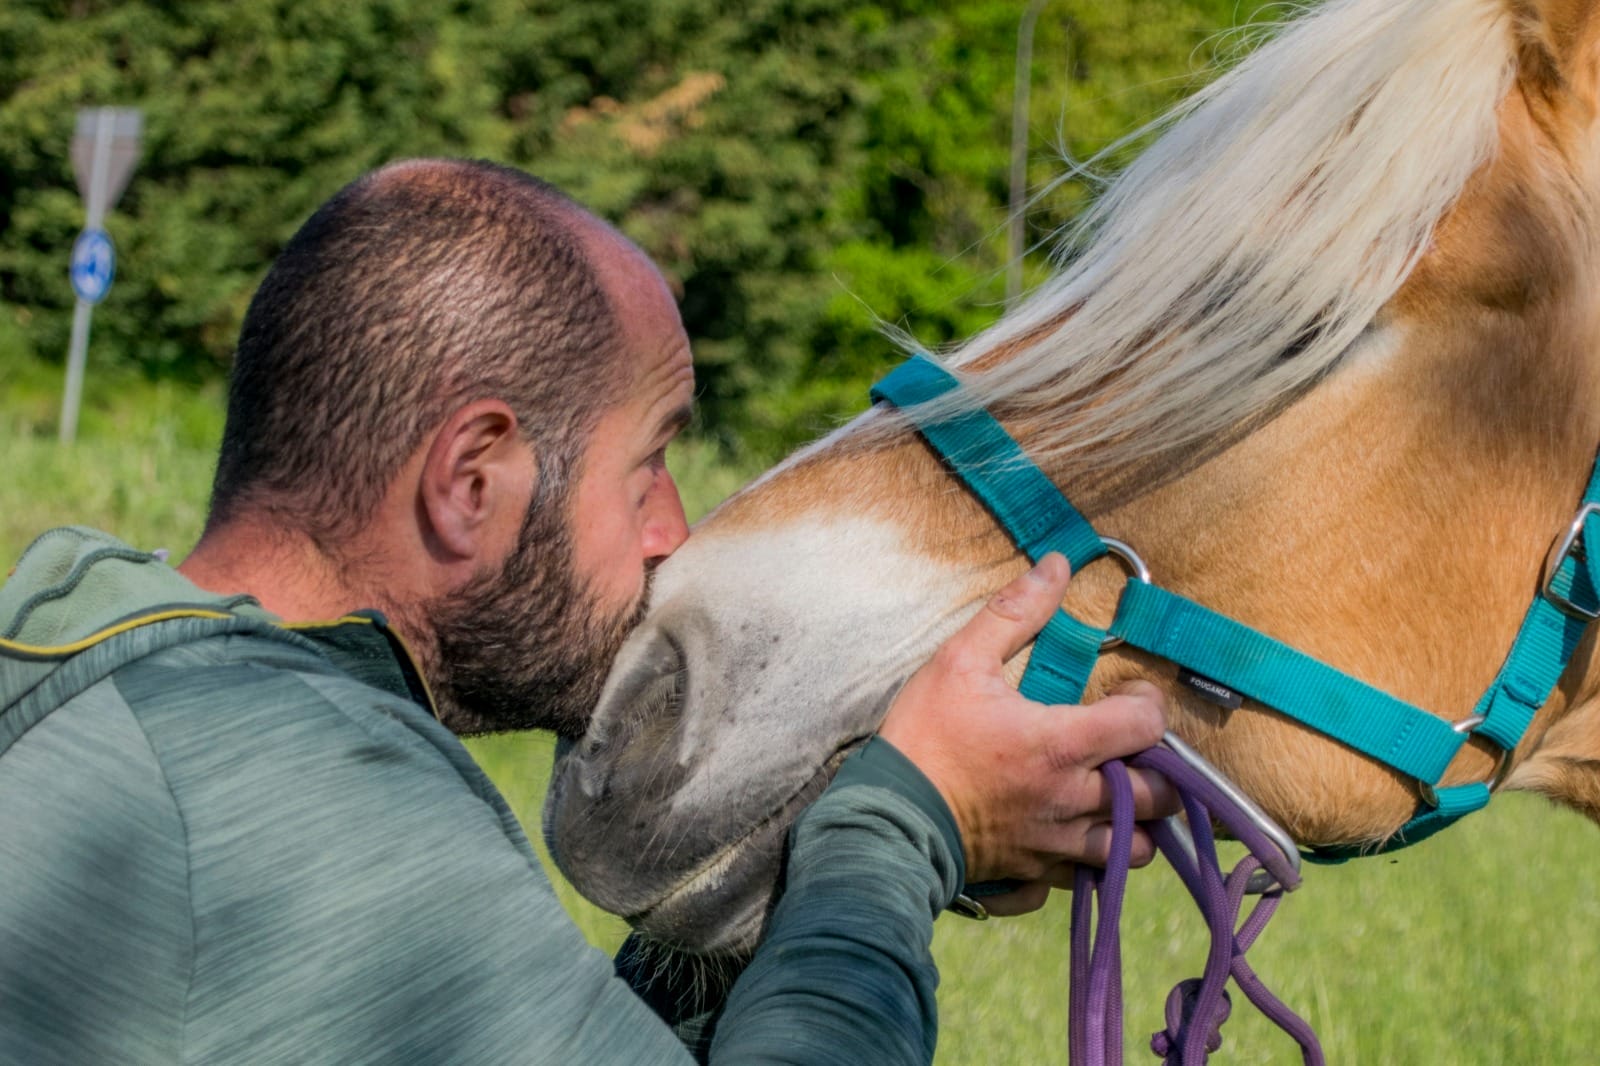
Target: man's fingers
<point x="1088" y="841"/>
<point x="1153" y="796"/>
<point x="1062" y="875"/>
<point x="1014" y="615"/>
<point x="1122" y="724"/>
<point x="1051" y="806"/>
<point x="1026" y="899"/>
<point x="1097" y="846"/>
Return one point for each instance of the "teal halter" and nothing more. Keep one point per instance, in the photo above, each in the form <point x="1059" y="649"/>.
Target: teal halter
<point x="1232" y="656"/>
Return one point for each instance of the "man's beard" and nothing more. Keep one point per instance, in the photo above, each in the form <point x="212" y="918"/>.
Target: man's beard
<point x="529" y="645"/>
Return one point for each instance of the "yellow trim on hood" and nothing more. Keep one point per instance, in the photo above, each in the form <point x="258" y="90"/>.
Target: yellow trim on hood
<point x="52" y="650"/>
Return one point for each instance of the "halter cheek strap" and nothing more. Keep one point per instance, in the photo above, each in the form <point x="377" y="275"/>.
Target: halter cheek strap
<point x="1040" y="519"/>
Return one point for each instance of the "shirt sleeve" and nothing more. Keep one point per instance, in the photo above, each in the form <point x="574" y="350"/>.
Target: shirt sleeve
<point x="846" y="972"/>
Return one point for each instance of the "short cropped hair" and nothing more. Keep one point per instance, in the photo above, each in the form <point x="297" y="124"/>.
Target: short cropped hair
<point x="414" y="290"/>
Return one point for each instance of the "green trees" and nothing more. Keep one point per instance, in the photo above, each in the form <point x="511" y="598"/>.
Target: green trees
<point x="797" y="167"/>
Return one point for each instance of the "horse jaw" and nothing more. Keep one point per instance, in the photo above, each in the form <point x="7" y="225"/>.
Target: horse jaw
<point x="767" y="657"/>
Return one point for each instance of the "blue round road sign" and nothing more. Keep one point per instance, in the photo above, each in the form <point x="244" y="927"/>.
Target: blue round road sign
<point x="94" y="263"/>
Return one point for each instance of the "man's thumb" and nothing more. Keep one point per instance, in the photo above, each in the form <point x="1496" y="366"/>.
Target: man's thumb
<point x="1014" y="615"/>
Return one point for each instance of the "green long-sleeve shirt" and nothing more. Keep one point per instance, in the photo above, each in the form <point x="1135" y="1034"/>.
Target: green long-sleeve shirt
<point x="227" y="840"/>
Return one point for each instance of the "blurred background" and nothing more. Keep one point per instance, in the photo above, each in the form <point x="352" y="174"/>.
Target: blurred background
<point x="805" y="172"/>
<point x="800" y="169"/>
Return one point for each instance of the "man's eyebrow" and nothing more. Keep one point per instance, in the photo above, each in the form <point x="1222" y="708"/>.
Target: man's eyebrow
<point x="676" y="421"/>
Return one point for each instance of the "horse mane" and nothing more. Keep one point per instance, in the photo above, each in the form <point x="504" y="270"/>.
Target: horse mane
<point x="1242" y="255"/>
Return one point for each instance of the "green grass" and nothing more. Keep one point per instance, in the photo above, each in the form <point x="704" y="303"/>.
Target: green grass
<point x="1476" y="947"/>
<point x="141" y="467"/>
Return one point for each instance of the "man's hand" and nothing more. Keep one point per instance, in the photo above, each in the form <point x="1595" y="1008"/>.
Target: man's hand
<point x="1022" y="778"/>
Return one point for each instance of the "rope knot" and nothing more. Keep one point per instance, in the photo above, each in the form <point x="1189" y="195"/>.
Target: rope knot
<point x="1181" y="1004"/>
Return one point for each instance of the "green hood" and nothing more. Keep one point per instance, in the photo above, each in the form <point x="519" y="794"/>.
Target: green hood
<point x="76" y="587"/>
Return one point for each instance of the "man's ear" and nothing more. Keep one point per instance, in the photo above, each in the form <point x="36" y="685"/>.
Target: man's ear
<point x="476" y="482"/>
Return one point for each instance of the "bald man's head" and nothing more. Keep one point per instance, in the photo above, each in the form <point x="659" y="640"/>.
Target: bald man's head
<point x="416" y="289"/>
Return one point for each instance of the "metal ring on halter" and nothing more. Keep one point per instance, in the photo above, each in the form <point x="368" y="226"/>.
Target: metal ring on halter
<point x="1124" y="554"/>
<point x="1467" y="725"/>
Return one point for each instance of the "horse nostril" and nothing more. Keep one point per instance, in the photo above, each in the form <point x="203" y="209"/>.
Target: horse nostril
<point x="663" y="695"/>
<point x="646" y="688"/>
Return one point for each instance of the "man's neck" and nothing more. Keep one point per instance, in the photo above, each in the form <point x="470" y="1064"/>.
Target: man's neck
<point x="283" y="569"/>
<point x="296" y="580"/>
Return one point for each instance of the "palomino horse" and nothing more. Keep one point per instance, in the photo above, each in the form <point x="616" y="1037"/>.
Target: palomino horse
<point x="1325" y="355"/>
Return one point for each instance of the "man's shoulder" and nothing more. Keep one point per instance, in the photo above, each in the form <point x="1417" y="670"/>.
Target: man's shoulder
<point x="257" y="725"/>
<point x="221" y="711"/>
<point x="277" y="762"/>
<point x="239" y="673"/>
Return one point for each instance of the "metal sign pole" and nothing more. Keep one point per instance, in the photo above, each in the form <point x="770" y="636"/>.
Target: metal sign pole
<point x="109" y="137"/>
<point x="78" y="352"/>
<point x="75" y="360"/>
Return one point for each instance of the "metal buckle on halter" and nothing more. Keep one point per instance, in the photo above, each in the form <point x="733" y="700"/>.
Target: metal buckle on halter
<point x="1569" y="546"/>
<point x="1124" y="554"/>
<point x="1469" y="725"/>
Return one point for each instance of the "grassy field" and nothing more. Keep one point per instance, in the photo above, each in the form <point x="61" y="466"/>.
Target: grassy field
<point x="1477" y="947"/>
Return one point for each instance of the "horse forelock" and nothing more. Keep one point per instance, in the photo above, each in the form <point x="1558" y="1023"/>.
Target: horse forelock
<point x="1255" y="243"/>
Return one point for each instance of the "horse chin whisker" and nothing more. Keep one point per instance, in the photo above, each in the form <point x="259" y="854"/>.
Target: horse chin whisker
<point x="710" y="873"/>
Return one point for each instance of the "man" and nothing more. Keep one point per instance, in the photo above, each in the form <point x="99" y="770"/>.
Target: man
<point x="231" y="828"/>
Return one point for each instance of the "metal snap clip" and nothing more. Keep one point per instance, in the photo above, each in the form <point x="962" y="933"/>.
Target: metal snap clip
<point x="967" y="907"/>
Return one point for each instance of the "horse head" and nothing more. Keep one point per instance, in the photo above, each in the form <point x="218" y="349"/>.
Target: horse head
<point x="1325" y="355"/>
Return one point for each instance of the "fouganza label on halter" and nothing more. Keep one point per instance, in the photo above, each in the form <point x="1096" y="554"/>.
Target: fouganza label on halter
<point x="1209" y="690"/>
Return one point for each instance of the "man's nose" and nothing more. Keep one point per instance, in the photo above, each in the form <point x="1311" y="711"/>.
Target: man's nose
<point x="666" y="528"/>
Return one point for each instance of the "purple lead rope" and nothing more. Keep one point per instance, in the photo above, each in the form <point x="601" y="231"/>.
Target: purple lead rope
<point x="1196" y="1008"/>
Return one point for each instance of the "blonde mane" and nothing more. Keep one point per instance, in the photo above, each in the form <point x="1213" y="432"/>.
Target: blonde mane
<point x="1244" y="253"/>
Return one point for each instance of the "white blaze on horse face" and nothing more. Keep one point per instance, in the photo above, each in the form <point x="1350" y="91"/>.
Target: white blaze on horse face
<point x="767" y="653"/>
<point x="807" y="631"/>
